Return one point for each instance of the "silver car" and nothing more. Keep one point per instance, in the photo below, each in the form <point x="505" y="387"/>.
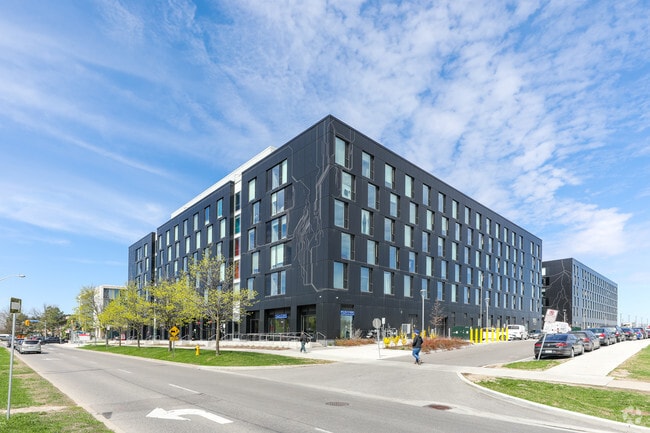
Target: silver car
<point x="30" y="346"/>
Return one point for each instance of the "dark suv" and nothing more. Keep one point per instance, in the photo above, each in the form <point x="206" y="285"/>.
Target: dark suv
<point x="604" y="335"/>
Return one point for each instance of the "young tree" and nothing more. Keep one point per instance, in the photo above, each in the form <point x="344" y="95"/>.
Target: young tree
<point x="115" y="315"/>
<point x="87" y="308"/>
<point x="218" y="299"/>
<point x="175" y="303"/>
<point x="51" y="318"/>
<point x="137" y="309"/>
<point x="438" y="315"/>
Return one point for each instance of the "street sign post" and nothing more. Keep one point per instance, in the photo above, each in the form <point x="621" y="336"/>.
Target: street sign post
<point x="14" y="308"/>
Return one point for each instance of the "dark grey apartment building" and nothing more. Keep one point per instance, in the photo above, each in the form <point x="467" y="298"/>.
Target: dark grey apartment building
<point x="332" y="230"/>
<point x="583" y="297"/>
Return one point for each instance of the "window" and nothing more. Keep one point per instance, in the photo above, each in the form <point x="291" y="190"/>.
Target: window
<point x="206" y="215"/>
<point x="175" y="234"/>
<point x="195" y="223"/>
<point x="278" y="283"/>
<point x="236" y="246"/>
<point x="341" y="152"/>
<point x="424" y="288"/>
<point x="408" y="186"/>
<point x="394" y="205"/>
<point x="454" y="293"/>
<point x="408" y="236"/>
<point x="279" y="228"/>
<point x="251" y="189"/>
<point x="185" y="228"/>
<point x="366" y="222"/>
<point x="277" y="256"/>
<point x="278" y="175"/>
<point x="389" y="230"/>
<point x="237" y="201"/>
<point x="388" y="283"/>
<point x="340" y="214"/>
<point x="457" y="272"/>
<point x="371" y="252"/>
<point x="412" y="262"/>
<point x="444" y="226"/>
<point x="340" y="279"/>
<point x="393" y="257"/>
<point x="441" y="202"/>
<point x="425" y="242"/>
<point x="372" y="196"/>
<point x="430" y="221"/>
<point x="255" y="262"/>
<point x="408" y="281"/>
<point x="210" y="238"/>
<point x="441" y="246"/>
<point x="250" y="284"/>
<point x="443" y="269"/>
<point x="454" y="251"/>
<point x="477" y="222"/>
<point x="255" y="215"/>
<point x="251" y="239"/>
<point x="222" y="228"/>
<point x="389" y="176"/>
<point x="197" y="245"/>
<point x="454" y="209"/>
<point x="467" y="215"/>
<point x="470" y="236"/>
<point x="277" y="202"/>
<point x="429" y="267"/>
<point x="413" y="213"/>
<point x="426" y="192"/>
<point x="187" y="245"/>
<point x="347" y="246"/>
<point x="220" y="208"/>
<point x="365" y="283"/>
<point x="237" y="224"/>
<point x="457" y="228"/>
<point x="367" y="165"/>
<point x="347" y="185"/>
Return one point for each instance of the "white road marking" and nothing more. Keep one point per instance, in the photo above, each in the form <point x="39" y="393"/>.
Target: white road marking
<point x="184" y="389"/>
<point x="176" y="415"/>
<point x="124" y="371"/>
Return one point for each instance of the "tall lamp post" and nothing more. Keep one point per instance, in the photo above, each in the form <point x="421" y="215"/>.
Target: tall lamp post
<point x="423" y="292"/>
<point x="12" y="276"/>
<point x="487" y="311"/>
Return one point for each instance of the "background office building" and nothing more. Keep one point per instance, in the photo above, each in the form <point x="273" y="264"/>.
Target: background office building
<point x="583" y="297"/>
<point x="333" y="230"/>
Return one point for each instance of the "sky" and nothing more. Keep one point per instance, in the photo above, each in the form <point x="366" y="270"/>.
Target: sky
<point x="113" y="114"/>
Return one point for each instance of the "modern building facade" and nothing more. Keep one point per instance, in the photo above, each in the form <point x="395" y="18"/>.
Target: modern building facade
<point x="333" y="229"/>
<point x="583" y="297"/>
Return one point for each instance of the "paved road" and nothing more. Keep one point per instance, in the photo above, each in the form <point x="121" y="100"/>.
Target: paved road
<point x="368" y="390"/>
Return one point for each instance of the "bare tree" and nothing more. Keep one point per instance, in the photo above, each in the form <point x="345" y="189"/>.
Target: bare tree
<point x="438" y="315"/>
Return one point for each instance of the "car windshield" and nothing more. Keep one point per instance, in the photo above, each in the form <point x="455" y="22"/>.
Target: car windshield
<point x="30" y="342"/>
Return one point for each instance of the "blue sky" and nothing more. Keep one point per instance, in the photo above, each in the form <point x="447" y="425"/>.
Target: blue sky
<point x="114" y="114"/>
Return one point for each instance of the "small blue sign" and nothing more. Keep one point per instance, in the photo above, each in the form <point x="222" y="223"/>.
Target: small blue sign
<point x="281" y="316"/>
<point x="347" y="313"/>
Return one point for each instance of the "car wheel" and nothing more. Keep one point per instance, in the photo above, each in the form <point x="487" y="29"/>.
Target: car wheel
<point x="573" y="353"/>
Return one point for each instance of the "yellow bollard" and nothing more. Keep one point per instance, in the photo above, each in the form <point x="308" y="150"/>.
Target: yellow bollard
<point x="197" y="350"/>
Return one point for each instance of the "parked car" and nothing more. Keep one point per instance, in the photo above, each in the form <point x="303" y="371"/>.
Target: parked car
<point x="517" y="332"/>
<point x="605" y="335"/>
<point x="30" y="346"/>
<point x="640" y="333"/>
<point x="50" y="340"/>
<point x="17" y="343"/>
<point x="535" y="333"/>
<point x="589" y="339"/>
<point x="559" y="345"/>
<point x="616" y="330"/>
<point x="628" y="334"/>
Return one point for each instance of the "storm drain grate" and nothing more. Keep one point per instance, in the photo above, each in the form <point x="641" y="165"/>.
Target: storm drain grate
<point x="337" y="403"/>
<point x="439" y="407"/>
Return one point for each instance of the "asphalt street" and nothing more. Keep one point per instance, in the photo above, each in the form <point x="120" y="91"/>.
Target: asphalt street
<point x="365" y="389"/>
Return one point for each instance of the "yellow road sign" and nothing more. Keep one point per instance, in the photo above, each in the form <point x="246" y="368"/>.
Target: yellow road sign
<point x="172" y="338"/>
<point x="174" y="331"/>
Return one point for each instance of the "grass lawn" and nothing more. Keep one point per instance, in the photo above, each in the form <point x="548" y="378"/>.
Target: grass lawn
<point x="631" y="407"/>
<point x="226" y="358"/>
<point x="50" y="411"/>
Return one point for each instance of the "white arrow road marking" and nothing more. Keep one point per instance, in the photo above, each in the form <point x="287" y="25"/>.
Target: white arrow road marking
<point x="176" y="415"/>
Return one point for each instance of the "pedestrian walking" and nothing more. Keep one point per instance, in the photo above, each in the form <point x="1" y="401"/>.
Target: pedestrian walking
<point x="417" y="346"/>
<point x="304" y="338"/>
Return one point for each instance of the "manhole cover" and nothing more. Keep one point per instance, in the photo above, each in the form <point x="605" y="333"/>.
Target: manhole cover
<point x="439" y="407"/>
<point x="337" y="403"/>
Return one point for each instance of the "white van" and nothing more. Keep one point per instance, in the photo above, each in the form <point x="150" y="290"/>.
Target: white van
<point x="517" y="332"/>
<point x="556" y="328"/>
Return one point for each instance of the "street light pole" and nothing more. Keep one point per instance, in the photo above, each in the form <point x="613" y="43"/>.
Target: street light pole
<point x="487" y="312"/>
<point x="12" y="276"/>
<point x="422" y="292"/>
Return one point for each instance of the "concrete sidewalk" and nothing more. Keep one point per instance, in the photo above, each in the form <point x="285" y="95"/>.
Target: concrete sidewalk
<point x="592" y="368"/>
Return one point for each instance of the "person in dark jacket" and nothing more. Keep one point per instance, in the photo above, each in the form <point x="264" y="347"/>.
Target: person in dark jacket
<point x="304" y="338"/>
<point x="417" y="346"/>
